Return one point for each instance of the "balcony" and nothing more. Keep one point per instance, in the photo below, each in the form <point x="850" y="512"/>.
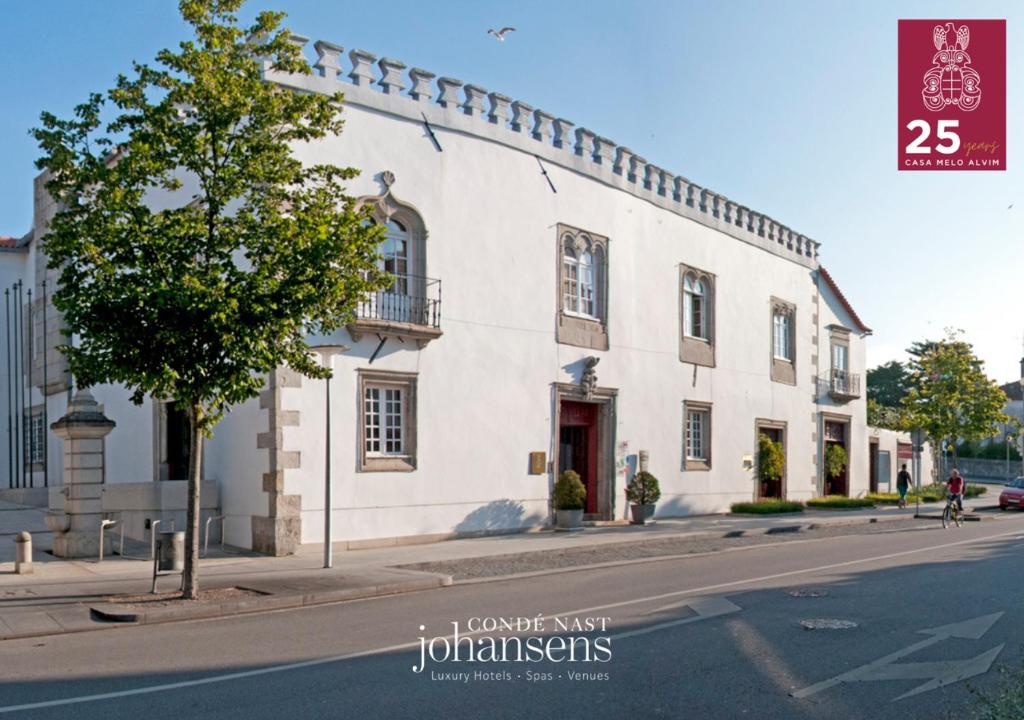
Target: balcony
<point x="409" y="310"/>
<point x="844" y="385"/>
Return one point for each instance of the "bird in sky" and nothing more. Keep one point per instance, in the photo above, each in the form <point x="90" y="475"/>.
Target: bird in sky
<point x="500" y="34"/>
<point x="1011" y="207"/>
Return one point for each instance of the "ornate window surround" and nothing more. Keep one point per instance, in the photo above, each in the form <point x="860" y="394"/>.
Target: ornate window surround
<point x="575" y="328"/>
<point x="697" y="350"/>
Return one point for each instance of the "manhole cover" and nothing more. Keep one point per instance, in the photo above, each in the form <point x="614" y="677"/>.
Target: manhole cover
<point x="808" y="592"/>
<point x="827" y="624"/>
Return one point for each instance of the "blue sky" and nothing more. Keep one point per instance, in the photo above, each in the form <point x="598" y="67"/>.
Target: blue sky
<point x="786" y="106"/>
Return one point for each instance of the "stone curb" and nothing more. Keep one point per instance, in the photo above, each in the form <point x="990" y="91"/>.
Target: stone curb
<point x="113" y="612"/>
<point x="803" y="527"/>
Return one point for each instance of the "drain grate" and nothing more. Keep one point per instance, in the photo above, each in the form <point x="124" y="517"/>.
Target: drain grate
<point x="807" y="592"/>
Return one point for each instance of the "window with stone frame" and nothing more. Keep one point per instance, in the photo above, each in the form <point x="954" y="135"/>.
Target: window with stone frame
<point x="582" y="288"/>
<point x="697" y="435"/>
<point x="783" y="341"/>
<point x="387" y="421"/>
<point x="697" y="316"/>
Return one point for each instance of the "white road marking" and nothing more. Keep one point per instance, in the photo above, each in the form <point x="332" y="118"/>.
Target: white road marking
<point x="408" y="646"/>
<point x="939" y="673"/>
<point x="705" y="607"/>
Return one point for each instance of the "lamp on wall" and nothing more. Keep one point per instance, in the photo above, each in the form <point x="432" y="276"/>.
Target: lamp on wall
<point x="326" y="353"/>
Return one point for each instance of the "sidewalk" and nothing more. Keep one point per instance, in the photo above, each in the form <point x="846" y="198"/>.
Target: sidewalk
<point x="75" y="595"/>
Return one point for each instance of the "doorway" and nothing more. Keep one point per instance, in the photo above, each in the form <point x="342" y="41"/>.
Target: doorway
<point x="776" y="432"/>
<point x="873" y="469"/>
<point x="178" y="438"/>
<point x="578" y="447"/>
<point x="835" y="436"/>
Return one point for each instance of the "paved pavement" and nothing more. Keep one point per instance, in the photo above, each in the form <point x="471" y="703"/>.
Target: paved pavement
<point x="63" y="596"/>
<point x="689" y="638"/>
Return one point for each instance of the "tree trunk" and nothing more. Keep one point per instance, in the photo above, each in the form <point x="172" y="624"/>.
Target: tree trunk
<point x="190" y="582"/>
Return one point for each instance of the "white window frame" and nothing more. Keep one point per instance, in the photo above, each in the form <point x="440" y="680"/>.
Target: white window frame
<point x="782" y="336"/>
<point x="580" y="292"/>
<point x="696" y="290"/>
<point x="32" y="441"/>
<point x="386" y="406"/>
<point x="840" y="351"/>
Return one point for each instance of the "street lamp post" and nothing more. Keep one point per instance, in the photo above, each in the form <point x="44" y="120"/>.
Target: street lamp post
<point x="326" y="352"/>
<point x="1009" y="439"/>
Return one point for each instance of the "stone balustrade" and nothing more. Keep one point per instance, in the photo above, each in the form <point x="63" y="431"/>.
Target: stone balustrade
<point x="579" y="148"/>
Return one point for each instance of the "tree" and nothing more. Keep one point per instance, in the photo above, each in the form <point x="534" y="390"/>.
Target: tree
<point x="835" y="460"/>
<point x="771" y="461"/>
<point x="950" y="395"/>
<point x="883" y="416"/>
<point x="199" y="301"/>
<point x="887" y="384"/>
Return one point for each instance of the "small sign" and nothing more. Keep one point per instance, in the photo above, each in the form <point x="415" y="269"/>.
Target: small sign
<point x="748" y="462"/>
<point x="538" y="463"/>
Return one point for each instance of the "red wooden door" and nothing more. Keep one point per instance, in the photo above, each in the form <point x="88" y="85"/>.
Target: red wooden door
<point x="578" y="446"/>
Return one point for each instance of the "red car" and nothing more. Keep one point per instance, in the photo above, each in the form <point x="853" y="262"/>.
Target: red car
<point x="1013" y="494"/>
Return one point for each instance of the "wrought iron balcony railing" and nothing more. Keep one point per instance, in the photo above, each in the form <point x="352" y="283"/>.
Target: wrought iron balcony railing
<point x="410" y="299"/>
<point x="844" y="385"/>
<point x="409" y="309"/>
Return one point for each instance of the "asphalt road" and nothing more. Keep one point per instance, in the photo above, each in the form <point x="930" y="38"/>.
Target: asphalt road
<point x="715" y="636"/>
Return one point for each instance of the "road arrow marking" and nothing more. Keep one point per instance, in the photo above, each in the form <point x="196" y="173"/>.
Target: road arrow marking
<point x="937" y="673"/>
<point x="705" y="607"/>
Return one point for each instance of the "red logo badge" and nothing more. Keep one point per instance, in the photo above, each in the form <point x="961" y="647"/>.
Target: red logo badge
<point x="952" y="95"/>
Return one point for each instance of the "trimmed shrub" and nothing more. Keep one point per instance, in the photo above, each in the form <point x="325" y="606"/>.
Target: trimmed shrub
<point x="767" y="507"/>
<point x="974" y="490"/>
<point x="643" y="489"/>
<point x="570" y="493"/>
<point x="840" y="502"/>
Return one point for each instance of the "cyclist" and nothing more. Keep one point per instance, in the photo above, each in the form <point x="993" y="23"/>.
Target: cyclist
<point x="955" y="485"/>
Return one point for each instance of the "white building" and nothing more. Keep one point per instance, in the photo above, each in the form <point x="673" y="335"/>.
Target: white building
<point x="594" y="305"/>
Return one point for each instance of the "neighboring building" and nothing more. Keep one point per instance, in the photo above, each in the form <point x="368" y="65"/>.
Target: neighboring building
<point x="622" y="308"/>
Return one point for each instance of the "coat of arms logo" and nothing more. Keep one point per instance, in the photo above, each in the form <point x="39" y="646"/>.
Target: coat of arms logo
<point x="950" y="81"/>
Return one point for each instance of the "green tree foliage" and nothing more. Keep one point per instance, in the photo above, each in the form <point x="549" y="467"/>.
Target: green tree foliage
<point x="199" y="301"/>
<point x="991" y="451"/>
<point x="771" y="461"/>
<point x="835" y="460"/>
<point x="950" y="395"/>
<point x="883" y="416"/>
<point x="888" y="383"/>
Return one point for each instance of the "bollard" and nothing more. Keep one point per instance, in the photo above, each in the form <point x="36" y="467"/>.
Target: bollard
<point x="23" y="554"/>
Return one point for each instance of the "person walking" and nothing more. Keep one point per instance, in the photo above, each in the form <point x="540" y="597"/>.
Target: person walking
<point x="902" y="485"/>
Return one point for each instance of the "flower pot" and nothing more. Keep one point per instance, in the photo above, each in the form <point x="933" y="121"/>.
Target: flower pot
<point x="569" y="519"/>
<point x="641" y="513"/>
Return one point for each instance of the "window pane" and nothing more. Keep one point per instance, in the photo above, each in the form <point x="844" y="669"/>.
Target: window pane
<point x="371" y="407"/>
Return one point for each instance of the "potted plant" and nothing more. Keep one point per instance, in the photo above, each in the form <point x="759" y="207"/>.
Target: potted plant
<point x="642" y="492"/>
<point x="570" y="495"/>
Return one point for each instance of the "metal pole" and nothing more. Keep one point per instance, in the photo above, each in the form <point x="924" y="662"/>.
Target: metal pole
<point x="328" y="499"/>
<point x="19" y="376"/>
<point x="30" y="427"/>
<point x="46" y="426"/>
<point x="10" y="406"/>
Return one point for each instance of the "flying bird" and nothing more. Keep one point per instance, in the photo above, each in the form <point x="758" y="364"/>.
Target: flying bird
<point x="500" y="34"/>
<point x="1011" y="207"/>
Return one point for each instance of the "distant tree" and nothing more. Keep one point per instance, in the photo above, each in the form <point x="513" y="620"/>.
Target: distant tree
<point x="888" y="383"/>
<point x="198" y="301"/>
<point x="950" y="395"/>
<point x="883" y="416"/>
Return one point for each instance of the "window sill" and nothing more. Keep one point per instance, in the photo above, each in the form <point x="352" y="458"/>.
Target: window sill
<point x="388" y="464"/>
<point x="695" y="464"/>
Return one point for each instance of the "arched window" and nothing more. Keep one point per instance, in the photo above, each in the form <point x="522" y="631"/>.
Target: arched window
<point x="395" y="255"/>
<point x="696" y="301"/>
<point x="579" y="280"/>
<point x="582" y="289"/>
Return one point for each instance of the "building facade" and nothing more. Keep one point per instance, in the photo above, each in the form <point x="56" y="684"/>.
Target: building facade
<point x="559" y="303"/>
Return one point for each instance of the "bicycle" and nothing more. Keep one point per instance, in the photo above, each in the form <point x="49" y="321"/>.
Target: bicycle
<point x="952" y="513"/>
